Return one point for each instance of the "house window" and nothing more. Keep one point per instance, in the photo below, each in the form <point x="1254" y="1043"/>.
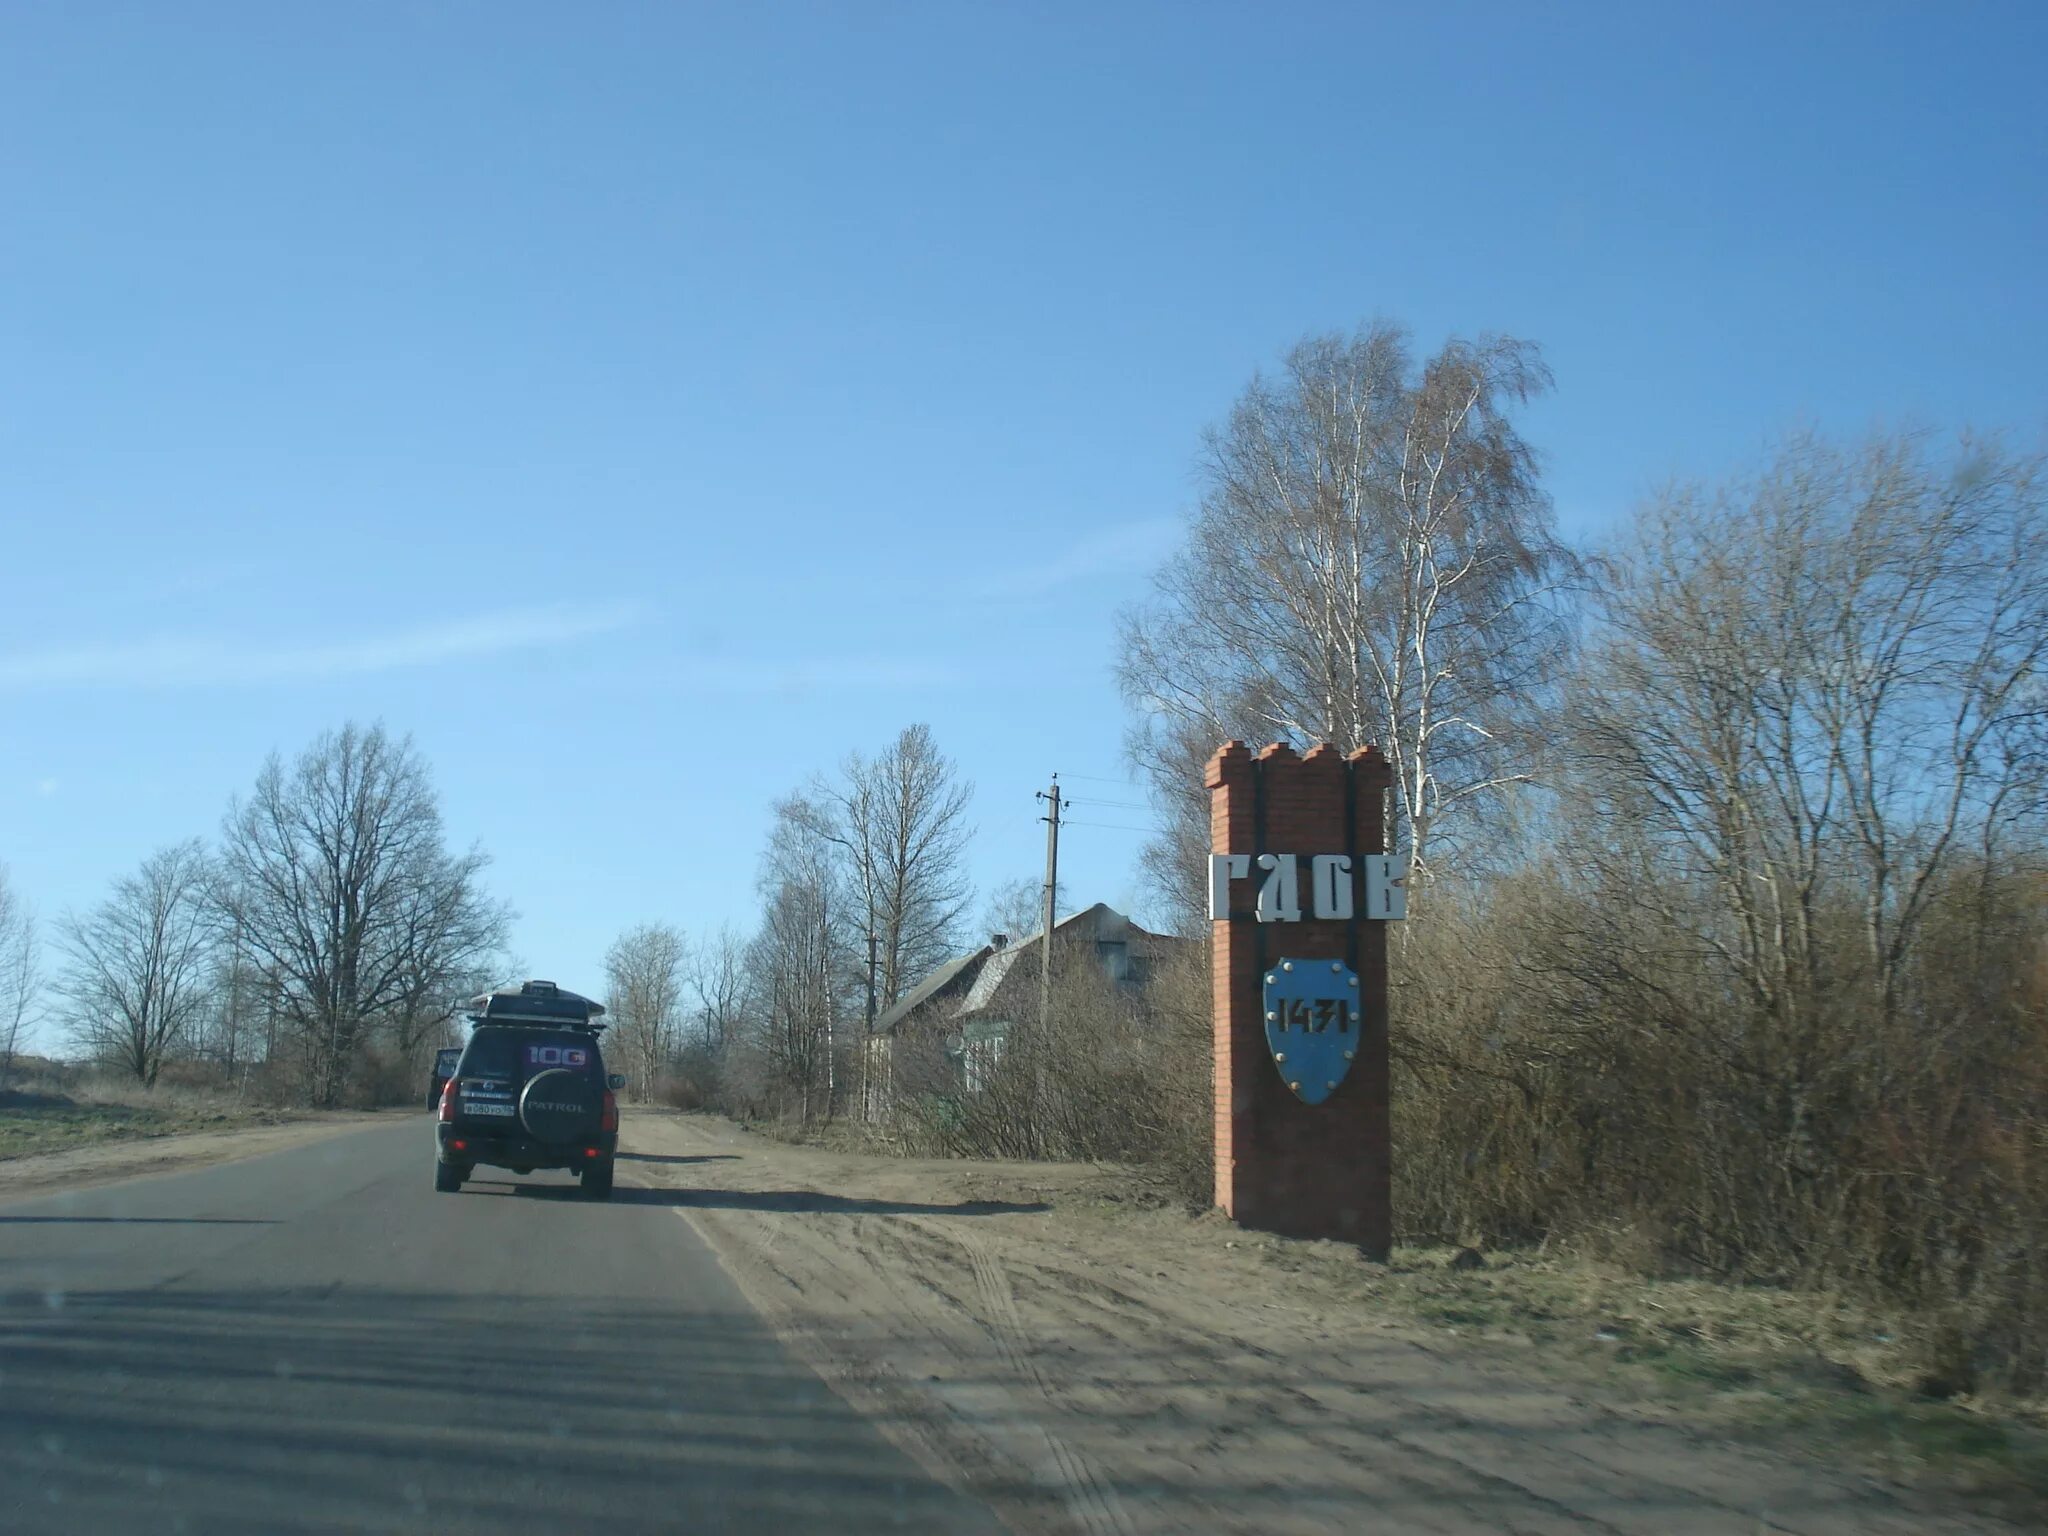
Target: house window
<point x="978" y="1062"/>
<point x="1115" y="956"/>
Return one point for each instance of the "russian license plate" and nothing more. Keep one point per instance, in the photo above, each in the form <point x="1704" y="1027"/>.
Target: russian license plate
<point x="473" y="1107"/>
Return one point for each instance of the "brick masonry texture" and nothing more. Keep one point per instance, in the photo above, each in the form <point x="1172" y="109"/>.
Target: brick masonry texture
<point x="1282" y="1165"/>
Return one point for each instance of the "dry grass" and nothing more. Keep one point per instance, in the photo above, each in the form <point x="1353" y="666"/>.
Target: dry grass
<point x="1839" y="1378"/>
<point x="1827" y="1376"/>
<point x="38" y="1118"/>
<point x="1552" y="1084"/>
<point x="1123" y="1076"/>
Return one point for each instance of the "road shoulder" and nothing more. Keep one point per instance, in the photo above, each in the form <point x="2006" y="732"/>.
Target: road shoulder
<point x="1088" y="1361"/>
<point x="99" y="1163"/>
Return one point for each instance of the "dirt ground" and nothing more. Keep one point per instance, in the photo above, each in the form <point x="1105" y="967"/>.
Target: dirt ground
<point x="104" y="1162"/>
<point x="1091" y="1361"/>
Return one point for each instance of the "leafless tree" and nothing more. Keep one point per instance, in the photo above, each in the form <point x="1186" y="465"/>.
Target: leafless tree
<point x="227" y="1031"/>
<point x="447" y="940"/>
<point x="20" y="974"/>
<point x="1768" y="998"/>
<point x="720" y="983"/>
<point x="1016" y="908"/>
<point x="644" y="996"/>
<point x="900" y="821"/>
<point x="803" y="959"/>
<point x="136" y="966"/>
<point x="1373" y="561"/>
<point x="1122" y="1075"/>
<point x="1825" y="686"/>
<point x="339" y="884"/>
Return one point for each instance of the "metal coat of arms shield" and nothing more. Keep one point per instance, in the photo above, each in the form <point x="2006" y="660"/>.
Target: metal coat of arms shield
<point x="1312" y="1024"/>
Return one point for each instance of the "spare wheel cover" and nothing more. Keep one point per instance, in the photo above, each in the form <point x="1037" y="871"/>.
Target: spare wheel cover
<point x="559" y="1106"/>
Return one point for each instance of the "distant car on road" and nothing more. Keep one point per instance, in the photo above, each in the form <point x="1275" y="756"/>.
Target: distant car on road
<point x="530" y="1091"/>
<point x="444" y="1068"/>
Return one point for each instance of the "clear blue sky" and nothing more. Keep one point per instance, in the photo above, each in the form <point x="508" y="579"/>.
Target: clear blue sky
<point x="723" y="387"/>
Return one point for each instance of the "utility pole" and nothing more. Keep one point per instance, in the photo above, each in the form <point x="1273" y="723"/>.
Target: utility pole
<point x="1052" y="887"/>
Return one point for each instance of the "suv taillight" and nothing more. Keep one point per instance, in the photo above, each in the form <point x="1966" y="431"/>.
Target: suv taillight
<point x="610" y="1120"/>
<point x="448" y="1102"/>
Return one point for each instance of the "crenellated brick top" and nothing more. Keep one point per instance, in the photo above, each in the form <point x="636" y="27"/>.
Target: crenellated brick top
<point x="1231" y="763"/>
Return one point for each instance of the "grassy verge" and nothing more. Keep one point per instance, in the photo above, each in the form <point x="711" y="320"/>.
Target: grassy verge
<point x="842" y="1134"/>
<point x="33" y="1123"/>
<point x="1819" y="1373"/>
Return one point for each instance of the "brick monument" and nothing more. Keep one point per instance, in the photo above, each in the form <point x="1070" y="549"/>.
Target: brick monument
<point x="1300" y="891"/>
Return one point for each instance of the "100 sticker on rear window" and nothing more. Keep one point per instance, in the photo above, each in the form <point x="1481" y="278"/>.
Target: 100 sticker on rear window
<point x="541" y="1057"/>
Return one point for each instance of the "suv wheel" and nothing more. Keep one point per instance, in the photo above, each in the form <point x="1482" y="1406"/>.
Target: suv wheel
<point x="448" y="1177"/>
<point x="597" y="1180"/>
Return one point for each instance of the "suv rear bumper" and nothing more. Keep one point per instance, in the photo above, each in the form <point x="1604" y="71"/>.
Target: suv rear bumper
<point x="515" y="1149"/>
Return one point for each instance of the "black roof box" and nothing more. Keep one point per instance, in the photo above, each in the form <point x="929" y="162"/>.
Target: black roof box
<point x="536" y="1002"/>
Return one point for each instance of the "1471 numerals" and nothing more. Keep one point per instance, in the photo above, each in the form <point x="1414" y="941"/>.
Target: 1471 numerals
<point x="1315" y="1016"/>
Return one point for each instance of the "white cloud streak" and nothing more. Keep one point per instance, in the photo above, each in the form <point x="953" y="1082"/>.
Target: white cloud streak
<point x="183" y="661"/>
<point x="1127" y="549"/>
<point x="753" y="675"/>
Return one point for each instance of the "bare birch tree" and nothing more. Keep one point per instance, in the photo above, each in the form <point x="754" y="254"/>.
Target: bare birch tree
<point x="803" y="959"/>
<point x="339" y="885"/>
<point x="20" y="974"/>
<point x="722" y="987"/>
<point x="223" y="1034"/>
<point x="644" y="998"/>
<point x="1373" y="561"/>
<point x="136" y="966"/>
<point x="900" y="821"/>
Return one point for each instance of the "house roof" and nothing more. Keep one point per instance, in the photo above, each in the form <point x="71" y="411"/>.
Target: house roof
<point x="991" y="977"/>
<point x="1101" y="920"/>
<point x="930" y="987"/>
<point x="988" y="967"/>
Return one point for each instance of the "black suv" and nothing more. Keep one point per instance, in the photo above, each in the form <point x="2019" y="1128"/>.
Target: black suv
<point x="530" y="1091"/>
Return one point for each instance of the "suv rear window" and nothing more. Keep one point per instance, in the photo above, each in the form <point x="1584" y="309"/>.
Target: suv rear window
<point x="517" y="1054"/>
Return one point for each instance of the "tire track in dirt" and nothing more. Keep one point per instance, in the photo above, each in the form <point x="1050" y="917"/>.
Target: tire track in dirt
<point x="1083" y="1292"/>
<point x="1450" y="1443"/>
<point x="1120" y="1380"/>
<point x="962" y="1443"/>
<point x="1090" y="1503"/>
<point x="754" y="1253"/>
<point x="1093" y="1502"/>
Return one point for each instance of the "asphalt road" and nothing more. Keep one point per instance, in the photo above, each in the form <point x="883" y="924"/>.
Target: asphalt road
<point x="316" y="1341"/>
